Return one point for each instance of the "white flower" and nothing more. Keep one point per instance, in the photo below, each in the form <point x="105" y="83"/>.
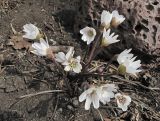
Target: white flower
<point x="107" y="92"/>
<point x="41" y="48"/>
<point x="106" y="18"/>
<point x="124" y="56"/>
<point x="31" y="31"/>
<point x="70" y="63"/>
<point x="108" y="39"/>
<point x="62" y="58"/>
<point x="122" y="101"/>
<point x="73" y="65"/>
<point x="91" y="96"/>
<point x="88" y="34"/>
<point x="117" y="19"/>
<point x="127" y="63"/>
<point x="132" y="66"/>
<point x="98" y="94"/>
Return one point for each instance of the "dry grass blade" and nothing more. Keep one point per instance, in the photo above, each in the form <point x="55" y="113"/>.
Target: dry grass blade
<point x="100" y="115"/>
<point x="40" y="93"/>
<point x="13" y="29"/>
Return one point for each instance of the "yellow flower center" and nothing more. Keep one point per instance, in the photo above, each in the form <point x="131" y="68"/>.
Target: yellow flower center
<point x="73" y="64"/>
<point x="90" y="33"/>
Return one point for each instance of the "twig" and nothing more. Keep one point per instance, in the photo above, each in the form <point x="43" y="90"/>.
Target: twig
<point x="13" y="29"/>
<point x="134" y="83"/>
<point x="94" y="75"/>
<point x="117" y="77"/>
<point x="139" y="103"/>
<point x="60" y="26"/>
<point x="109" y="107"/>
<point x="100" y="115"/>
<point x="40" y="93"/>
<point x="107" y="64"/>
<point x="52" y="117"/>
<point x="95" y="68"/>
<point x="34" y="94"/>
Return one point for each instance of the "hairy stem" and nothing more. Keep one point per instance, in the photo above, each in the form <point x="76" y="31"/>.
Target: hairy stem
<point x="93" y="49"/>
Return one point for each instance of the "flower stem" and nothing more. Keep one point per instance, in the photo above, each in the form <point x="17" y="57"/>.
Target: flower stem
<point x="93" y="50"/>
<point x="87" y="51"/>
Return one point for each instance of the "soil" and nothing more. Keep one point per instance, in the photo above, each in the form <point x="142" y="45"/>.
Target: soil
<point x="24" y="73"/>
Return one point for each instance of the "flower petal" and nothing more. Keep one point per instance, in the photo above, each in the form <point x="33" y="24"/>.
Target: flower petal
<point x="67" y="68"/>
<point x="31" y="31"/>
<point x="70" y="53"/>
<point x="78" y="68"/>
<point x="106" y="17"/>
<point x="88" y="103"/>
<point x="95" y="100"/>
<point x="83" y="96"/>
<point x="60" y="57"/>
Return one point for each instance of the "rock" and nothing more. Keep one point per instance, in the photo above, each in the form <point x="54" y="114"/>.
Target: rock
<point x="75" y="102"/>
<point x="140" y="30"/>
<point x="70" y="107"/>
<point x="60" y="110"/>
<point x="142" y="23"/>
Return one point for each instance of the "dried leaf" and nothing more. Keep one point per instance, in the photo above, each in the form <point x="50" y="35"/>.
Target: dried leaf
<point x="107" y="119"/>
<point x="18" y="42"/>
<point x="56" y="49"/>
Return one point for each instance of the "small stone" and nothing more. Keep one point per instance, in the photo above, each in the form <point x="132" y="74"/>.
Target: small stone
<point x="70" y="107"/>
<point x="75" y="102"/>
<point x="60" y="110"/>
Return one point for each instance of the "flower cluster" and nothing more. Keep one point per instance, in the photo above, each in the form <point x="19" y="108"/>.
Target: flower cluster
<point x="127" y="64"/>
<point x="97" y="92"/>
<point x="104" y="94"/>
<point x="111" y="19"/>
<point x="41" y="49"/>
<point x="107" y="19"/>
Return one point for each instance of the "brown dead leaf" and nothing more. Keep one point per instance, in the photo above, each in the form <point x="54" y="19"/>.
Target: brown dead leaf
<point x="107" y="119"/>
<point x="18" y="42"/>
<point x="56" y="49"/>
